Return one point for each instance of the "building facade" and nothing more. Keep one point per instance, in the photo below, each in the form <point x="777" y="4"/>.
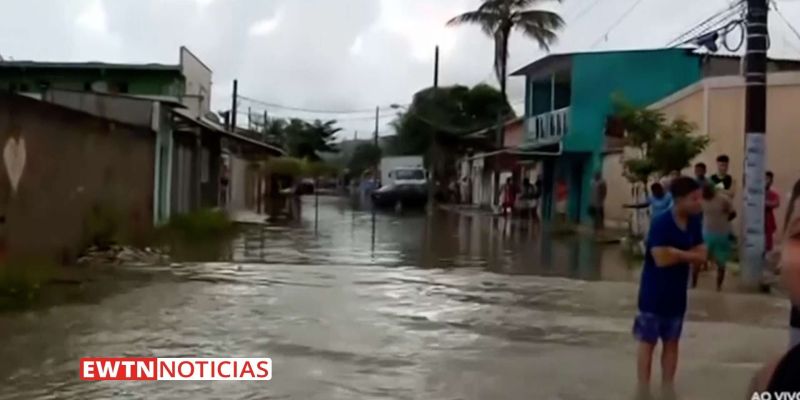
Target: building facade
<point x="715" y="105"/>
<point x="570" y="99"/>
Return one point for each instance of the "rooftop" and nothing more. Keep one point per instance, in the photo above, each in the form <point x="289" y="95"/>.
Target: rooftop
<point x="87" y="65"/>
<point x="565" y="58"/>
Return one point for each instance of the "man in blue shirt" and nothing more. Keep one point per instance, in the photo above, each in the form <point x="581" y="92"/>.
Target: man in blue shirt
<point x="674" y="242"/>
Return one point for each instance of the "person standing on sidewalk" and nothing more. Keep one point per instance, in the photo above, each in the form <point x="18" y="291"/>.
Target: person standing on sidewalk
<point x="674" y="242"/>
<point x="597" y="201"/>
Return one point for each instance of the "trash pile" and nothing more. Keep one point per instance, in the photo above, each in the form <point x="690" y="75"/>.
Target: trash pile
<point x="116" y="255"/>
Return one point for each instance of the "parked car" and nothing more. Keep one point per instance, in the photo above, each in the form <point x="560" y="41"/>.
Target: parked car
<point x="404" y="195"/>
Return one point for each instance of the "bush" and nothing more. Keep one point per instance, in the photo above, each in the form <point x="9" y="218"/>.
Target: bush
<point x="21" y="284"/>
<point x="199" y="225"/>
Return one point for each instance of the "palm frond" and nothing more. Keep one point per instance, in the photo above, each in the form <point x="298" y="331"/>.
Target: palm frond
<point x="540" y="26"/>
<point x="486" y="19"/>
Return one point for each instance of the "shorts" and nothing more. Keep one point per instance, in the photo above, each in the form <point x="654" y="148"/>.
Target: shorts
<point x="719" y="247"/>
<point x="649" y="328"/>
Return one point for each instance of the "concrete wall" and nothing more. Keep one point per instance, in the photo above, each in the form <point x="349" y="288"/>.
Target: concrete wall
<point x="716" y="106"/>
<point x="198" y="83"/>
<point x="74" y="164"/>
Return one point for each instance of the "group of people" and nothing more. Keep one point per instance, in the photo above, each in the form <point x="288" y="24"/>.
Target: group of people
<point x="690" y="229"/>
<point x="524" y="199"/>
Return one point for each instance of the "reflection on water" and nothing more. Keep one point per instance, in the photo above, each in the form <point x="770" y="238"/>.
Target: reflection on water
<point x="494" y="312"/>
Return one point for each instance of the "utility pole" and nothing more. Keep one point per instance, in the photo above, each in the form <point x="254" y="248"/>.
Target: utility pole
<point x="249" y="118"/>
<point x="234" y="108"/>
<point x="377" y="122"/>
<point x="436" y="69"/>
<point x="433" y="152"/>
<point x="755" y="140"/>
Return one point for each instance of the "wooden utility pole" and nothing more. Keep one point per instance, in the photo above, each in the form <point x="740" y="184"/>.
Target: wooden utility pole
<point x="234" y="107"/>
<point x="753" y="248"/>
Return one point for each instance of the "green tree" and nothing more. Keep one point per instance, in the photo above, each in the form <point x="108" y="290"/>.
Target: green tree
<point x="662" y="145"/>
<point x="365" y="156"/>
<point x="497" y="18"/>
<point x="301" y="139"/>
<point x="447" y="114"/>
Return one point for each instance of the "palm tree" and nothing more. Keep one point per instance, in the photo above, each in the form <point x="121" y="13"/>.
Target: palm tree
<point x="497" y="18"/>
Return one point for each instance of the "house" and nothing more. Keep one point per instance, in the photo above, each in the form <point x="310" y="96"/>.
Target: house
<point x="568" y="103"/>
<point x="195" y="152"/>
<point x="189" y="81"/>
<point x="482" y="170"/>
<point x="716" y="106"/>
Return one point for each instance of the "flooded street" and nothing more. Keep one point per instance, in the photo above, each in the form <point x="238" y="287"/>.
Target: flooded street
<point x="463" y="307"/>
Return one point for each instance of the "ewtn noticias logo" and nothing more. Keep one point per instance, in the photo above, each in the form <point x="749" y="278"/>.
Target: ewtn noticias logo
<point x="776" y="396"/>
<point x="175" y="369"/>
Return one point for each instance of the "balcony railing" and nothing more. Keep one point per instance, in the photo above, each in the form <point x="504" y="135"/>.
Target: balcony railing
<point x="548" y="128"/>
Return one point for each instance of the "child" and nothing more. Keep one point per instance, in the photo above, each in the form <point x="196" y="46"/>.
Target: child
<point x="675" y="241"/>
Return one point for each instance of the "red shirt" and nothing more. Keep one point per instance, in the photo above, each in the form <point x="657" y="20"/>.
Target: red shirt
<point x="770" y="224"/>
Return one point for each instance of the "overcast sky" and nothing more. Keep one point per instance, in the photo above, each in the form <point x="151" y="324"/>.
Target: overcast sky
<point x="333" y="54"/>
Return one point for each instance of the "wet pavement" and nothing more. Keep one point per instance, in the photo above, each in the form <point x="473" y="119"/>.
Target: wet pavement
<point x="459" y="307"/>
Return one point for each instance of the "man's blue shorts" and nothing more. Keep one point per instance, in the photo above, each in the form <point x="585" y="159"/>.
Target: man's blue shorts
<point x="649" y="328"/>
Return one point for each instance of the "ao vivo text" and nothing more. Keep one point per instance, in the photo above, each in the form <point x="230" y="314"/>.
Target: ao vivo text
<point x="175" y="369"/>
<point x="776" y="396"/>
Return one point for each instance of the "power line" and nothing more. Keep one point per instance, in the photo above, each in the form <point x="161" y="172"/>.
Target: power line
<point x="585" y="11"/>
<point x="719" y="18"/>
<point x="303" y="109"/>
<point x="785" y="20"/>
<point x="617" y="23"/>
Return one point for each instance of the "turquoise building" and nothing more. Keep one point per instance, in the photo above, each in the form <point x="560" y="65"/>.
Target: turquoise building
<point x="569" y="101"/>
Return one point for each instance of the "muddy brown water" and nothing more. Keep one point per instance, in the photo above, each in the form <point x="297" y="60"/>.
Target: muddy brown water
<point x="462" y="306"/>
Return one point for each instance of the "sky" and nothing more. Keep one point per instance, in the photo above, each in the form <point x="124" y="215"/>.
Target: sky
<point x="336" y="55"/>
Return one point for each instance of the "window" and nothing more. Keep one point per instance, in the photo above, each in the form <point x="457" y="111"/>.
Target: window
<point x="409" y="174"/>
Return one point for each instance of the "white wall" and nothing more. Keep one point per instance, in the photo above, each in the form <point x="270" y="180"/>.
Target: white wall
<point x="237" y="184"/>
<point x="198" y="83"/>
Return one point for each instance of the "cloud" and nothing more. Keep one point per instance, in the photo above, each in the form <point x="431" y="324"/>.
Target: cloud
<point x="93" y="18"/>
<point x="265" y="26"/>
<point x="324" y="54"/>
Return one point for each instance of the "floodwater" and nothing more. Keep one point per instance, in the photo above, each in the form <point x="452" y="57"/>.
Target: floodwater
<point x="460" y="307"/>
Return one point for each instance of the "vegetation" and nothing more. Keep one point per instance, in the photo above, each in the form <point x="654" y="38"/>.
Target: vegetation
<point x="304" y="140"/>
<point x="497" y="18"/>
<point x="663" y="146"/>
<point x="21" y="284"/>
<point x="300" y="168"/>
<point x="447" y="114"/>
<point x="198" y="226"/>
<point x="365" y="156"/>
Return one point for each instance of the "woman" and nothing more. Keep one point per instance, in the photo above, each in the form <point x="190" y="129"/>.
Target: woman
<point x="781" y="375"/>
